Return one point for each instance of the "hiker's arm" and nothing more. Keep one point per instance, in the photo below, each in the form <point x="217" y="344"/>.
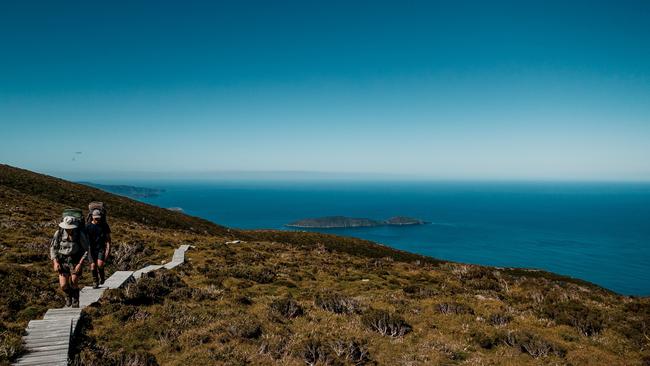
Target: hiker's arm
<point x="53" y="244"/>
<point x="107" y="252"/>
<point x="86" y="247"/>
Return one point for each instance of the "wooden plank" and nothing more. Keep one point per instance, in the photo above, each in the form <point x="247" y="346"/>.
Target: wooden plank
<point x="138" y="274"/>
<point x="60" y="329"/>
<point x="51" y="352"/>
<point x="43" y="363"/>
<point x="49" y="363"/>
<point x="63" y="311"/>
<point x="44" y="342"/>
<point x="51" y="330"/>
<point x="49" y="334"/>
<point x="89" y="296"/>
<point x="117" y="279"/>
<point x="45" y="358"/>
<point x="47" y="342"/>
<point x="49" y="347"/>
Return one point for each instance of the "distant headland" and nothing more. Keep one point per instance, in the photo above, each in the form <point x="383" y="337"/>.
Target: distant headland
<point x="333" y="222"/>
<point x="129" y="191"/>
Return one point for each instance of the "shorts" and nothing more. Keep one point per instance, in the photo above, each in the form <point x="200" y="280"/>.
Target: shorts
<point x="98" y="254"/>
<point x="68" y="263"/>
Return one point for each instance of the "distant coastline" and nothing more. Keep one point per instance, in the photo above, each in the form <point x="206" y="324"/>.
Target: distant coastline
<point x="125" y="190"/>
<point x="334" y="222"/>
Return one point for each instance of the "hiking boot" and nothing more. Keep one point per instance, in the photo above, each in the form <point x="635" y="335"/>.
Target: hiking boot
<point x="75" y="298"/>
<point x="102" y="275"/>
<point x="68" y="301"/>
<point x="95" y="278"/>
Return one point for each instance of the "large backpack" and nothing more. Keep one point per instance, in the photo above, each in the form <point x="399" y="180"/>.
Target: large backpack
<point x="78" y="217"/>
<point x="96" y="205"/>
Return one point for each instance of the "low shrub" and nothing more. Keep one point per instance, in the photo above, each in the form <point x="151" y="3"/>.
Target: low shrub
<point x="588" y="321"/>
<point x="337" y="303"/>
<point x="385" y="323"/>
<point x="274" y="345"/>
<point x="245" y="328"/>
<point x="500" y="319"/>
<point x="152" y="288"/>
<point x="351" y="351"/>
<point x="286" y="307"/>
<point x="419" y="291"/>
<point x="257" y="274"/>
<point x="314" y="351"/>
<point x="454" y="308"/>
<point x="486" y="340"/>
<point x="104" y="356"/>
<point x="11" y="345"/>
<point x="532" y="344"/>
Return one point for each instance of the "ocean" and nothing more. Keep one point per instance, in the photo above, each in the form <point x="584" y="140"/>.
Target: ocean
<point x="599" y="232"/>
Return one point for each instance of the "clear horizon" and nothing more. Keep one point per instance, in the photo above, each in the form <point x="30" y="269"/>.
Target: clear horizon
<point x="549" y="91"/>
<point x="298" y="176"/>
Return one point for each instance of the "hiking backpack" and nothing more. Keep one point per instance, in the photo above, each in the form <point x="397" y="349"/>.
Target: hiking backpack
<point x="78" y="217"/>
<point x="96" y="205"/>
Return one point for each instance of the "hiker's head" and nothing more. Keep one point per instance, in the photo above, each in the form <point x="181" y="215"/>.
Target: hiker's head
<point x="68" y="223"/>
<point x="96" y="215"/>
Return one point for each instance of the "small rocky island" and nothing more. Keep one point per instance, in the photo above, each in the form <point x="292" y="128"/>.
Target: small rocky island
<point x="334" y="222"/>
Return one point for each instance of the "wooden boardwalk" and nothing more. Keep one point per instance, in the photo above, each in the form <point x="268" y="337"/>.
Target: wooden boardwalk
<point x="48" y="340"/>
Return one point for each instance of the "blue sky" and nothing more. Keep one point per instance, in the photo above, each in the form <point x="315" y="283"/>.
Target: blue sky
<point x="422" y="89"/>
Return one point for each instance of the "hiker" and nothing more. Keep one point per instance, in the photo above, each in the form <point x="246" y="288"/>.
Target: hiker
<point x="68" y="250"/>
<point x="99" y="238"/>
<point x="99" y="235"/>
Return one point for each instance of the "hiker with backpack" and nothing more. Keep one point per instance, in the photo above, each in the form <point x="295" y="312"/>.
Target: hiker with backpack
<point x="99" y="237"/>
<point x="68" y="250"/>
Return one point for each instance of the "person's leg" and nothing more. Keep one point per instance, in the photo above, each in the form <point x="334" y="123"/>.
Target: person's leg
<point x="102" y="274"/>
<point x="93" y="270"/>
<point x="74" y="280"/>
<point x="65" y="287"/>
<point x="100" y="264"/>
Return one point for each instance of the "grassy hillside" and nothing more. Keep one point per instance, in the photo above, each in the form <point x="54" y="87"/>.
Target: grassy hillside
<point x="299" y="298"/>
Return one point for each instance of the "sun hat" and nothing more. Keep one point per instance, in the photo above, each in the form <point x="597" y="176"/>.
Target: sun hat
<point x="97" y="214"/>
<point x="68" y="223"/>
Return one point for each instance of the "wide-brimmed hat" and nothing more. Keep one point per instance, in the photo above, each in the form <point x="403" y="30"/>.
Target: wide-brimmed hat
<point x="68" y="222"/>
<point x="97" y="214"/>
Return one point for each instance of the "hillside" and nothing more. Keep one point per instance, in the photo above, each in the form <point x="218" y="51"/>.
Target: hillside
<point x="298" y="298"/>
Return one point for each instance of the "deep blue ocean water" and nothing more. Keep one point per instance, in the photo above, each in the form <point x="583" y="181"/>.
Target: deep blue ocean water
<point x="599" y="232"/>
